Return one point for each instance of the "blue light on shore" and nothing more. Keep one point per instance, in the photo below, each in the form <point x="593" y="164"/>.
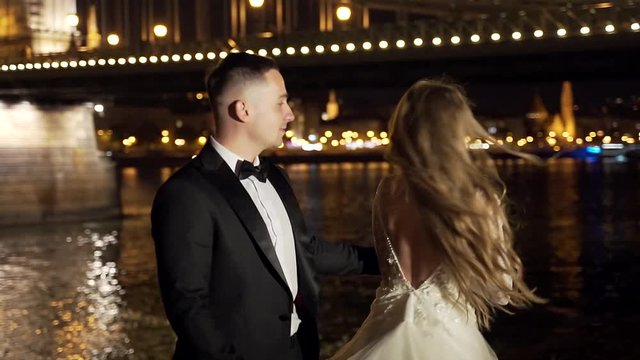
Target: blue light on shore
<point x="594" y="150"/>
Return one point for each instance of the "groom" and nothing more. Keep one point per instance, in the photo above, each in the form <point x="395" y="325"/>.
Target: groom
<point x="236" y="267"/>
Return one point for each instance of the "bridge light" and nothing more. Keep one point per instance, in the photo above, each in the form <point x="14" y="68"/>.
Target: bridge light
<point x="495" y="36"/>
<point x="436" y="41"/>
<point x="383" y="44"/>
<point x="160" y="30"/>
<point x="122" y="61"/>
<point x="319" y="49"/>
<point x="418" y="41"/>
<point x="455" y="40"/>
<point x="98" y="108"/>
<point x="276" y="51"/>
<point x="29" y="66"/>
<point x="102" y="62"/>
<point x="223" y="54"/>
<point x="400" y="43"/>
<point x="164" y="58"/>
<point x="610" y="28"/>
<point x="46" y="65"/>
<point x="635" y="26"/>
<point x="350" y="47"/>
<point x="113" y="39"/>
<point x="585" y="30"/>
<point x="82" y="63"/>
<point x="153" y="59"/>
<point x="562" y="32"/>
<point x="538" y="33"/>
<point x="175" y="57"/>
<point x="132" y="60"/>
<point x="211" y="55"/>
<point x="475" y="38"/>
<point x="516" y="35"/>
<point x="186" y="57"/>
<point x="366" y="45"/>
<point x="343" y="13"/>
<point x="256" y="3"/>
<point x="73" y="63"/>
<point x="37" y="66"/>
<point x="142" y="59"/>
<point x="335" y="48"/>
<point x="291" y="50"/>
<point x="304" y="50"/>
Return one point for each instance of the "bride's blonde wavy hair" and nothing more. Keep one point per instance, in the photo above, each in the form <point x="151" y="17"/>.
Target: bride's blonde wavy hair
<point x="459" y="194"/>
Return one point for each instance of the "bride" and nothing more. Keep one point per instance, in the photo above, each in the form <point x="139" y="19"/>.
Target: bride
<point x="443" y="240"/>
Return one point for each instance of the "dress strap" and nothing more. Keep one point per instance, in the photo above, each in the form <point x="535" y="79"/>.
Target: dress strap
<point x="377" y="210"/>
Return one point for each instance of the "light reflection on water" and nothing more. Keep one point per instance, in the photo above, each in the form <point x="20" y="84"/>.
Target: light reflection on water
<point x="88" y="290"/>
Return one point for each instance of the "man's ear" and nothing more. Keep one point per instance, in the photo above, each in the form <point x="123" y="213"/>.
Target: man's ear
<point x="238" y="111"/>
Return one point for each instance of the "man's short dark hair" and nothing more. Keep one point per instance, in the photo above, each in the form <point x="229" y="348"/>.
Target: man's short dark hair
<point x="236" y="67"/>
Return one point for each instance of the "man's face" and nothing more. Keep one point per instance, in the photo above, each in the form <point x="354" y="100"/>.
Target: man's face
<point x="269" y="111"/>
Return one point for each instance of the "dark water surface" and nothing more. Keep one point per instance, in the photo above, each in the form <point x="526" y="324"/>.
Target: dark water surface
<point x="88" y="290"/>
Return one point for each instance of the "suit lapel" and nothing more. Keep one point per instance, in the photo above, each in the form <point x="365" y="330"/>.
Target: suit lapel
<point x="288" y="198"/>
<point x="284" y="190"/>
<point x="217" y="172"/>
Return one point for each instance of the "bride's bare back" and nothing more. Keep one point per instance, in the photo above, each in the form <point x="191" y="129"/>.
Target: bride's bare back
<point x="397" y="216"/>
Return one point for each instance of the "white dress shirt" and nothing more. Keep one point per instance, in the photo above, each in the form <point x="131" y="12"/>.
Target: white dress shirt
<point x="274" y="214"/>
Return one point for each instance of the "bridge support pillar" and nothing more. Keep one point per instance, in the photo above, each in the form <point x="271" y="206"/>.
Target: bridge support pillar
<point x="50" y="168"/>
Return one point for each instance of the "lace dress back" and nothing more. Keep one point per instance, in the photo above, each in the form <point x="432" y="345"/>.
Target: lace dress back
<point x="407" y="322"/>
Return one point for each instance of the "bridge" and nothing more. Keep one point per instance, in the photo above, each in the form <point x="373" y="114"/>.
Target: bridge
<point x="136" y="55"/>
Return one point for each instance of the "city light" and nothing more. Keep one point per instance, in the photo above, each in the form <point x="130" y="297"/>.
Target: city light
<point x="538" y="33"/>
<point x="72" y="20"/>
<point x="98" y="108"/>
<point x="366" y="45"/>
<point x="455" y="39"/>
<point x="160" y="30"/>
<point x="585" y="30"/>
<point x="256" y="3"/>
<point x="562" y="32"/>
<point x="383" y="44"/>
<point x="113" y="39"/>
<point x="609" y="28"/>
<point x="418" y="42"/>
<point x="400" y="44"/>
<point x="516" y="35"/>
<point x="350" y="47"/>
<point x="475" y="38"/>
<point x="495" y="36"/>
<point x="343" y="13"/>
<point x="436" y="41"/>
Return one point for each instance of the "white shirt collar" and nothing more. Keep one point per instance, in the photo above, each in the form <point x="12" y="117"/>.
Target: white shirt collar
<point x="229" y="156"/>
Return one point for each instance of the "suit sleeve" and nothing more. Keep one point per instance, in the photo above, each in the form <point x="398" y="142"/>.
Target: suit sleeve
<point x="330" y="258"/>
<point x="183" y="232"/>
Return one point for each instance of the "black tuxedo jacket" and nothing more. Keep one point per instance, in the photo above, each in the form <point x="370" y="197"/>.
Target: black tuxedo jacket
<point x="222" y="286"/>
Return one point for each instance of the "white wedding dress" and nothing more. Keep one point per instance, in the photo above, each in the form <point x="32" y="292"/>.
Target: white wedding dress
<point x="408" y="323"/>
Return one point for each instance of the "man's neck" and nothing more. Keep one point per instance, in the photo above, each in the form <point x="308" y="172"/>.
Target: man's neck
<point x="238" y="147"/>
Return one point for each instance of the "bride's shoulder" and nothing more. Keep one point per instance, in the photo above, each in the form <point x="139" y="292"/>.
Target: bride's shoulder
<point x="391" y="189"/>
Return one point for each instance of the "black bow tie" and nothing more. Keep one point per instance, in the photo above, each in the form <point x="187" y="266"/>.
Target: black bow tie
<point x="245" y="169"/>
